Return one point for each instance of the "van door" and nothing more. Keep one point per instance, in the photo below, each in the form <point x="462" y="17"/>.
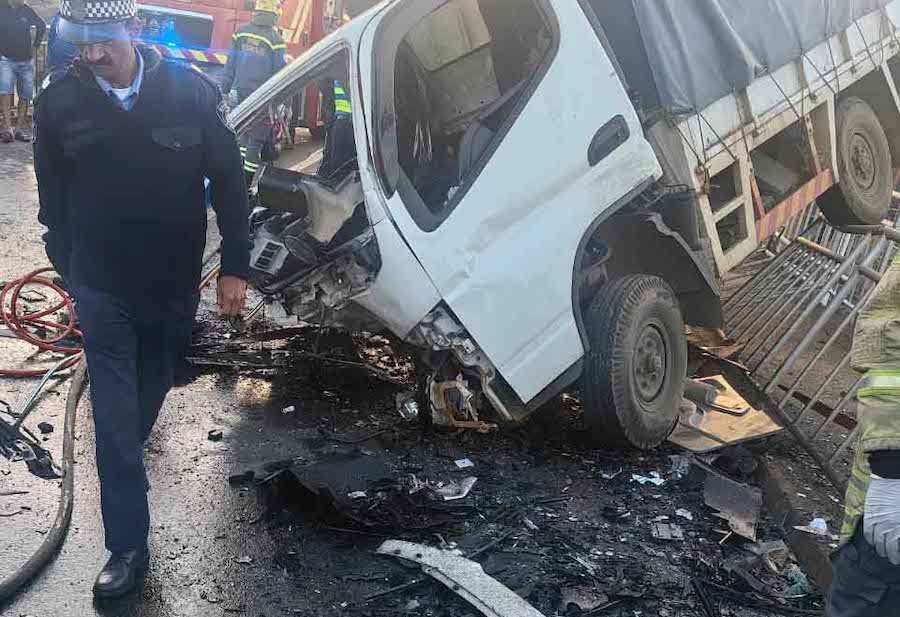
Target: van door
<point x="504" y="133"/>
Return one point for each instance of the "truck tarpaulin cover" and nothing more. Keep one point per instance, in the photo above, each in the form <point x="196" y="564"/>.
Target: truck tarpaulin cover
<point x="701" y="50"/>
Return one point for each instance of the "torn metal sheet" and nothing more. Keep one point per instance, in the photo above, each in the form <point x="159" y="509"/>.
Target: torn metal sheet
<point x="722" y="419"/>
<point x="464" y="577"/>
<point x="713" y="341"/>
<point x="737" y="503"/>
<point x="726" y="398"/>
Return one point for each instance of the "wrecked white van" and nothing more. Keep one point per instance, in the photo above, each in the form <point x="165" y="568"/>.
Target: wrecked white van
<point x="501" y="199"/>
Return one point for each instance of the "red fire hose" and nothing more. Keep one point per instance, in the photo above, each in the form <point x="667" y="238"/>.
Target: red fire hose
<point x="18" y="321"/>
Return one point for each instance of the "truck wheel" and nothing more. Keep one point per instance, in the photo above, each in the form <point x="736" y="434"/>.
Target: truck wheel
<point x="864" y="164"/>
<point x="634" y="373"/>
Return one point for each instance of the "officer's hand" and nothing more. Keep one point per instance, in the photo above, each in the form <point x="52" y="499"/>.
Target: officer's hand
<point x="881" y="519"/>
<point x="232" y="99"/>
<point x="231" y="293"/>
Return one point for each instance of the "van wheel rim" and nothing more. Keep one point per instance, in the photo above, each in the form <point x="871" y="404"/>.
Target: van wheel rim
<point x="862" y="161"/>
<point x="650" y="361"/>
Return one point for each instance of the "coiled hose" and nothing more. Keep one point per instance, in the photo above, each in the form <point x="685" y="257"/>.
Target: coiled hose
<point x="16" y="320"/>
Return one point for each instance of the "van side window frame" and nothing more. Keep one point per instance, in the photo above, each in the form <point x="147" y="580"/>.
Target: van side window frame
<point x="390" y="34"/>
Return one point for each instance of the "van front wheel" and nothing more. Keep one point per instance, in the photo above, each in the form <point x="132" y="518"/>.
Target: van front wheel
<point x="633" y="379"/>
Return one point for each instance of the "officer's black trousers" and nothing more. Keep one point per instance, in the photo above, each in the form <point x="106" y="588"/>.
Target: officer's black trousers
<point x="133" y="350"/>
<point x="865" y="584"/>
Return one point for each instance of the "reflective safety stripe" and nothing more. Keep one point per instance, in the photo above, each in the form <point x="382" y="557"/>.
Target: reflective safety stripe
<point x="341" y="101"/>
<point x="879" y="381"/>
<point x="256" y="37"/>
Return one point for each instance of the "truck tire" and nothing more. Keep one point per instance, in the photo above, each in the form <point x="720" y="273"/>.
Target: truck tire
<point x="864" y="165"/>
<point x="633" y="379"/>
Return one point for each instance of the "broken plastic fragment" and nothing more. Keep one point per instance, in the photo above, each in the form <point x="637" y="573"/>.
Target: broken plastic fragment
<point x="407" y="406"/>
<point x="654" y="478"/>
<point x="464" y="463"/>
<point x="244" y="560"/>
<point x="357" y="495"/>
<point x="817" y="526"/>
<point x="684" y="514"/>
<point x="456" y="490"/>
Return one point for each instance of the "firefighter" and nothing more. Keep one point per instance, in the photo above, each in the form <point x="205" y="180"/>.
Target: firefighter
<point x="867" y="564"/>
<point x="123" y="142"/>
<point x="257" y="53"/>
<point x="339" y="147"/>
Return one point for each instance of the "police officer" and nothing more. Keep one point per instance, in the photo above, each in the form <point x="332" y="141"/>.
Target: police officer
<point x="257" y="53"/>
<point x="867" y="564"/>
<point x="124" y="141"/>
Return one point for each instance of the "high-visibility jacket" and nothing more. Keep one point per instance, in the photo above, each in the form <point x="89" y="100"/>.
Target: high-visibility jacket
<point x="257" y="53"/>
<point x="341" y="101"/>
<point x="876" y="354"/>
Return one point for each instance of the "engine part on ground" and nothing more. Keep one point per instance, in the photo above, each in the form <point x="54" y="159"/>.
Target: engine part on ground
<point x="452" y="405"/>
<point x="464" y="577"/>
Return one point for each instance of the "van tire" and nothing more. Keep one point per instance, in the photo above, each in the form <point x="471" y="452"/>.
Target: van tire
<point x="863" y="195"/>
<point x="633" y="379"/>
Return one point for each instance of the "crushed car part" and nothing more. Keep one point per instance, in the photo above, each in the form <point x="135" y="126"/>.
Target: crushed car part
<point x="464" y="577"/>
<point x="452" y="405"/>
<point x="717" y="416"/>
<point x="441" y="331"/>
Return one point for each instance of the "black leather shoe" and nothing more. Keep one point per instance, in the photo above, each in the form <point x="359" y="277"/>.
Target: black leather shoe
<point x="121" y="573"/>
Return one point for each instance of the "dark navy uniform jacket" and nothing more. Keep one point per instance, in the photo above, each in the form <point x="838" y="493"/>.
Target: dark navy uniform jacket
<point x="257" y="53"/>
<point x="122" y="192"/>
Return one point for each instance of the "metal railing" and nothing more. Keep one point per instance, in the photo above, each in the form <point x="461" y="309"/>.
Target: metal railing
<point x="795" y="318"/>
